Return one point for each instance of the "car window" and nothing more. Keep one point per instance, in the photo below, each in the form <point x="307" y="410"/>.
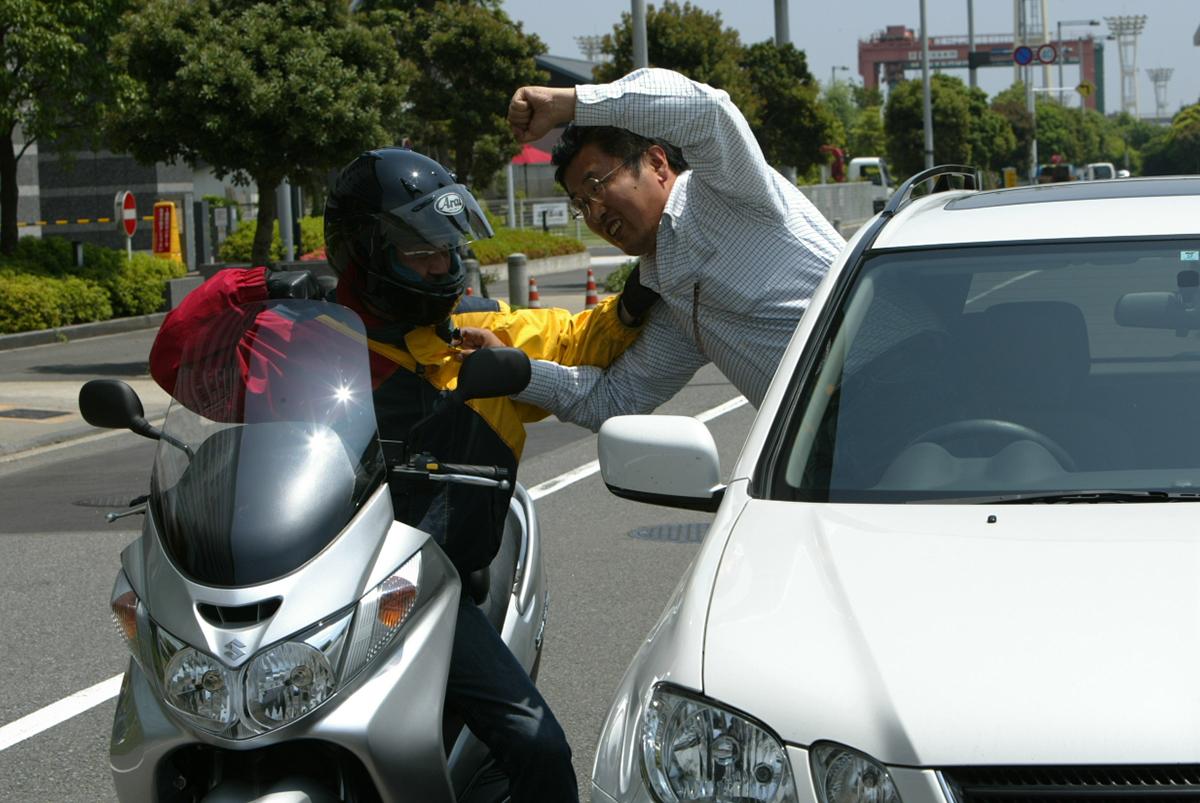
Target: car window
<point x="989" y="370"/>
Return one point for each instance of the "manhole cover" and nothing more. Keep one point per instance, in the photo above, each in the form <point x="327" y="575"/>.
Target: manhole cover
<point x="33" y="415"/>
<point x="673" y="533"/>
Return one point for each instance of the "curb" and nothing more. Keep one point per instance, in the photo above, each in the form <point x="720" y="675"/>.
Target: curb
<point x="79" y="331"/>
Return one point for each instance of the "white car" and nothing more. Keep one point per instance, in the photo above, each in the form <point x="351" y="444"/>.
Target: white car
<point x="956" y="559"/>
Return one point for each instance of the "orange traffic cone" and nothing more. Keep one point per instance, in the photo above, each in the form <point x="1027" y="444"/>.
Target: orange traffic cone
<point x="535" y="301"/>
<point x="592" y="299"/>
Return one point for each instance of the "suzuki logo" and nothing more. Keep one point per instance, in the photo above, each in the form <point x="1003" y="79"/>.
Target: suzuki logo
<point x="234" y="650"/>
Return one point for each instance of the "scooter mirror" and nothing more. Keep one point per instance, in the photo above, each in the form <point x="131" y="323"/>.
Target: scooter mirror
<point x="493" y="372"/>
<point x="111" y="404"/>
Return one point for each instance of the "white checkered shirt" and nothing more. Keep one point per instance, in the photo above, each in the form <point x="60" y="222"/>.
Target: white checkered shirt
<point x="739" y="253"/>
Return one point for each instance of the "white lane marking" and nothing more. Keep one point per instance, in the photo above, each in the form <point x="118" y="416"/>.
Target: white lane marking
<point x="1003" y="284"/>
<point x="70" y="707"/>
<point x="57" y="713"/>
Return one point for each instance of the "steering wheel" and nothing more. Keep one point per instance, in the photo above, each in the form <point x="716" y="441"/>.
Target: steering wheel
<point x="996" y="427"/>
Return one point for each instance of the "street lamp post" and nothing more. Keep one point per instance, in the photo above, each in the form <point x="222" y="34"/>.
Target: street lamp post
<point x="833" y="70"/>
<point x="1062" y="51"/>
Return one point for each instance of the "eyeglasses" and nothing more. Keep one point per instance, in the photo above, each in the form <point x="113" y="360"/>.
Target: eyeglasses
<point x="592" y="189"/>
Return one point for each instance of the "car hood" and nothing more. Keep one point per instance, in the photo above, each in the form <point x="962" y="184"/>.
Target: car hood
<point x="925" y="635"/>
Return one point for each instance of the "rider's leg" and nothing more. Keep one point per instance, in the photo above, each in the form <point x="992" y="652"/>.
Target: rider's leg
<point x="493" y="694"/>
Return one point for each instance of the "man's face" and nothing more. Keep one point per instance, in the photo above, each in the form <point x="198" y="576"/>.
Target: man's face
<point x="427" y="264"/>
<point x="627" y="207"/>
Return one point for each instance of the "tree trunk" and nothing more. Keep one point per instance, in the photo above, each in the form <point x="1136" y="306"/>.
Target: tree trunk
<point x="9" y="193"/>
<point x="265" y="229"/>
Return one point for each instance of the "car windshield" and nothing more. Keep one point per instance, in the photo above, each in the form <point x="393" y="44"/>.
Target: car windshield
<point x="1004" y="372"/>
<point x="270" y="444"/>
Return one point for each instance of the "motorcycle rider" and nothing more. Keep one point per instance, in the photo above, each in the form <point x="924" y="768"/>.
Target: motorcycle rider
<point x="395" y="222"/>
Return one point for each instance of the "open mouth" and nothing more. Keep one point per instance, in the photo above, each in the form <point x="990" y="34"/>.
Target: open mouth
<point x="613" y="228"/>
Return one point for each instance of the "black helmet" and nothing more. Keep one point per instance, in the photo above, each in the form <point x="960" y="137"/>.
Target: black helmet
<point x="390" y="202"/>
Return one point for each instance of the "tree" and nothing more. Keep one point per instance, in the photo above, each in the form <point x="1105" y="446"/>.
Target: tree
<point x="1012" y="106"/>
<point x="469" y="59"/>
<point x="52" y="84"/>
<point x="904" y="124"/>
<point x="688" y="40"/>
<point x="1177" y="150"/>
<point x="792" y="124"/>
<point x="991" y="136"/>
<point x="259" y="91"/>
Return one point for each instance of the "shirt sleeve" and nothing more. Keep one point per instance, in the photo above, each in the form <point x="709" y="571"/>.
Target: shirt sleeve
<point x="702" y="121"/>
<point x="654" y="369"/>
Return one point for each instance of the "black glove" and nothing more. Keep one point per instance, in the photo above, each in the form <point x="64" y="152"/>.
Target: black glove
<point x="636" y="298"/>
<point x="293" y="284"/>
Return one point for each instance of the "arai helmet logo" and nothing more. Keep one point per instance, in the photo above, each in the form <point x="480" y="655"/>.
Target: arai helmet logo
<point x="449" y="204"/>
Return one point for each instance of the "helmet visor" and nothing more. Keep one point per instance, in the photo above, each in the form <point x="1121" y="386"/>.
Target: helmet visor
<point x="442" y="220"/>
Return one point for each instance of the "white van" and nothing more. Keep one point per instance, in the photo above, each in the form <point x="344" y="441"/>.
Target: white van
<point x="1097" y="171"/>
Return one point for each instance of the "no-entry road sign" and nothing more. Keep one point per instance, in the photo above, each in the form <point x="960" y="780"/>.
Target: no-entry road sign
<point x="127" y="212"/>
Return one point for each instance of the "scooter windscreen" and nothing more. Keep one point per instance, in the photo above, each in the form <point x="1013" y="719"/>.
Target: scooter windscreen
<point x="270" y="445"/>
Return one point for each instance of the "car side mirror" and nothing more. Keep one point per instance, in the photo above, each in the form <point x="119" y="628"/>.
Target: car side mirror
<point x="667" y="460"/>
<point x="492" y="372"/>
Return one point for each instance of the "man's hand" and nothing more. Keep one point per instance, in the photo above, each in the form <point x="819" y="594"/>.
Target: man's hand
<point x="535" y="110"/>
<point x="636" y="299"/>
<point x="472" y="338"/>
<point x="293" y="284"/>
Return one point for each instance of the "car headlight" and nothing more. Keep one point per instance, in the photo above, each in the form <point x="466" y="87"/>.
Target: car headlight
<point x="842" y="775"/>
<point x="693" y="749"/>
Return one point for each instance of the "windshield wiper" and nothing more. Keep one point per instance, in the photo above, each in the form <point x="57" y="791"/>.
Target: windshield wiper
<point x="1085" y="497"/>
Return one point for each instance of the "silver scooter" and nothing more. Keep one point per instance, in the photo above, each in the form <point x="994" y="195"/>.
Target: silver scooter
<point x="290" y="640"/>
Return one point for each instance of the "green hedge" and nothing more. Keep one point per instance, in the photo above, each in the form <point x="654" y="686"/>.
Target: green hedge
<point x="239" y="245"/>
<point x="41" y="288"/>
<point x="531" y="243"/>
<point x="30" y="302"/>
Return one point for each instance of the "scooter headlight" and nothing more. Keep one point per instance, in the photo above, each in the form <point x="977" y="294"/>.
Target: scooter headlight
<point x="692" y="749"/>
<point x="198" y="685"/>
<point x="286" y="682"/>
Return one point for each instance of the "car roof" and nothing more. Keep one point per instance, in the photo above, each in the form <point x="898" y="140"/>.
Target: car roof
<point x="1077" y="210"/>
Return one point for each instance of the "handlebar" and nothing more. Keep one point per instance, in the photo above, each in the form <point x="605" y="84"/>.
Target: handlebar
<point x="462" y="473"/>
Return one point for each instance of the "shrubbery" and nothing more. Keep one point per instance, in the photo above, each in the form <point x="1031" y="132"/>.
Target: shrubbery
<point x="41" y="288"/>
<point x="239" y="245"/>
<point x="531" y="243"/>
<point x="40" y="302"/>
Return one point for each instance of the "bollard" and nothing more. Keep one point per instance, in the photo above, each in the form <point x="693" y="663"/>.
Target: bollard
<point x="518" y="280"/>
<point x="474" y="281"/>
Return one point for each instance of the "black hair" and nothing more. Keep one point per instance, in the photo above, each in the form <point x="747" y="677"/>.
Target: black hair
<point x="619" y="143"/>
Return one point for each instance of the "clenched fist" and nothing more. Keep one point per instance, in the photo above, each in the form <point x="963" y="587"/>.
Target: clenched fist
<point x="535" y="110"/>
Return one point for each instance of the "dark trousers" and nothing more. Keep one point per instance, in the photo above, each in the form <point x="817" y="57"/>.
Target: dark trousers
<point x="491" y="691"/>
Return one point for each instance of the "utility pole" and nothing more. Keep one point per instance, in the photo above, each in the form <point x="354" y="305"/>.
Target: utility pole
<point x="928" y="97"/>
<point x="782" y="37"/>
<point x="1062" y="52"/>
<point x="638" y="12"/>
<point x="971" y="68"/>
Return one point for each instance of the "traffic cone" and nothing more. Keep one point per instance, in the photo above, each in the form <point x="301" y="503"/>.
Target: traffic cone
<point x="535" y="301"/>
<point x="592" y="299"/>
<point x="470" y="292"/>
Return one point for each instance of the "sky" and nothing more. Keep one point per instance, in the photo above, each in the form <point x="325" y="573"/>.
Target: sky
<point x="828" y="32"/>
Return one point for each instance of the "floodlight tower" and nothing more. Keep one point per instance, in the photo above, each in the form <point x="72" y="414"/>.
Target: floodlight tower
<point x="1160" y="76"/>
<point x="589" y="46"/>
<point x="1127" y="29"/>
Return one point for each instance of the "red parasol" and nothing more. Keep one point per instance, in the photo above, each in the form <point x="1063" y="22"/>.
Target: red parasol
<point x="530" y="155"/>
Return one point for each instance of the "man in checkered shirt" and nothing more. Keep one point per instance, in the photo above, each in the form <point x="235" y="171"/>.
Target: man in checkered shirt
<point x="733" y="248"/>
